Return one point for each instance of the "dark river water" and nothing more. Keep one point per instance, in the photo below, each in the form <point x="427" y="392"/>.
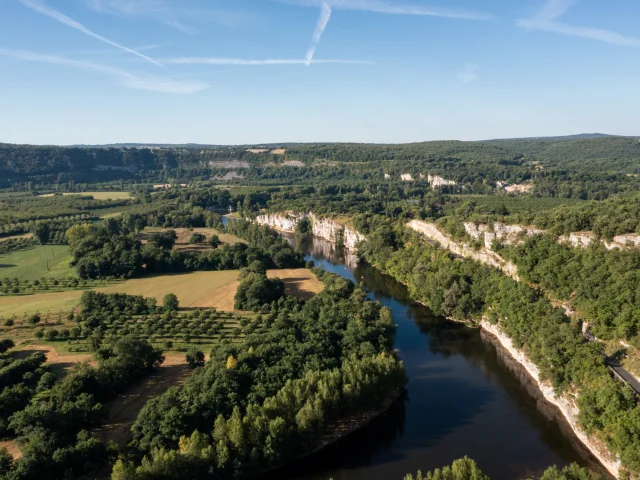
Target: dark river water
<point x="464" y="397"/>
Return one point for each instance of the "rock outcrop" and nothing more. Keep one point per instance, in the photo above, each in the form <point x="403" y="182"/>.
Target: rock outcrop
<point x="565" y="403"/>
<point x="482" y="255"/>
<point x="322" y="227"/>
<point x="437" y="181"/>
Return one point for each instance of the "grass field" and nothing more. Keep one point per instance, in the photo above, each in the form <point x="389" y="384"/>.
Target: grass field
<point x="97" y="195"/>
<point x="51" y="261"/>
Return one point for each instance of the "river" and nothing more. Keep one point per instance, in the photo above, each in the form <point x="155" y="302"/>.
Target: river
<point x="464" y="397"/>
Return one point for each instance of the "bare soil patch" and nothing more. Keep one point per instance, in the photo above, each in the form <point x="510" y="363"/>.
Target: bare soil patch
<point x="124" y="409"/>
<point x="12" y="447"/>
<point x="60" y="363"/>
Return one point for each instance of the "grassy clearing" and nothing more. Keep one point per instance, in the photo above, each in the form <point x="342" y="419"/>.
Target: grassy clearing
<point x="49" y="261"/>
<point x="96" y="195"/>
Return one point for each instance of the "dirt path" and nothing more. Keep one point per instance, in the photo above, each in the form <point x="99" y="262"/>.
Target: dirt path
<point x="124" y="409"/>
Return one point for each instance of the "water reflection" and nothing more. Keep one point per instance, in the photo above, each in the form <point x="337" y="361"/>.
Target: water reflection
<point x="465" y="397"/>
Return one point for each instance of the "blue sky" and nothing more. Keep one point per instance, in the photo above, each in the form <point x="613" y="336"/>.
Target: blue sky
<point x="257" y="71"/>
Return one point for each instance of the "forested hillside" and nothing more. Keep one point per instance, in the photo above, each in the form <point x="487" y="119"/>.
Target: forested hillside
<point x="592" y="168"/>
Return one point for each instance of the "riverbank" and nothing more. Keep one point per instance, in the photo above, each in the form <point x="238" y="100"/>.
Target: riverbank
<point x="337" y="432"/>
<point x="565" y="406"/>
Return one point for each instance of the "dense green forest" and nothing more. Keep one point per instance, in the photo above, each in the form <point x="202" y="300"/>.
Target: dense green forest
<point x="466" y="469"/>
<point x="261" y="402"/>
<point x="294" y="369"/>
<point x="586" y="168"/>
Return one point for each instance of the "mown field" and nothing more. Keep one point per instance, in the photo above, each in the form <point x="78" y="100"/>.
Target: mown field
<point x="49" y="261"/>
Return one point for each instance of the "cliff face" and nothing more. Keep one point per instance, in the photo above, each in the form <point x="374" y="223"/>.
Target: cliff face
<point x="320" y="227"/>
<point x="483" y="255"/>
<point x="565" y="404"/>
<point x="437" y="181"/>
<point x="514" y="234"/>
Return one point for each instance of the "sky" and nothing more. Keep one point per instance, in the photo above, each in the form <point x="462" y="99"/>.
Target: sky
<point x="271" y="71"/>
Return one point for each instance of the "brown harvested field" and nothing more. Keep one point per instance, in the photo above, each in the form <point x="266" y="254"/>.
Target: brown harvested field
<point x="182" y="243"/>
<point x="221" y="298"/>
<point x="299" y="282"/>
<point x="190" y="288"/>
<point x="194" y="290"/>
<point x="12" y="447"/>
<point x="278" y="151"/>
<point x="257" y="150"/>
<point x="124" y="409"/>
<point x="60" y="363"/>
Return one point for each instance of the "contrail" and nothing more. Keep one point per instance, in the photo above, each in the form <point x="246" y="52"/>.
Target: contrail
<point x="151" y="83"/>
<point x="250" y="62"/>
<point x="49" y="12"/>
<point x="323" y="21"/>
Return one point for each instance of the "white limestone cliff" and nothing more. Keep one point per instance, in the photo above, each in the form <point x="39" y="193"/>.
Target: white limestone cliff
<point x="322" y="227"/>
<point x="483" y="255"/>
<point x="565" y="403"/>
<point x="437" y="181"/>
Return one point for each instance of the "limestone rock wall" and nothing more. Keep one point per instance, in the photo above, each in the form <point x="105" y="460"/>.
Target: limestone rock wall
<point x="565" y="404"/>
<point x="483" y="255"/>
<point x="320" y="227"/>
<point x="437" y="181"/>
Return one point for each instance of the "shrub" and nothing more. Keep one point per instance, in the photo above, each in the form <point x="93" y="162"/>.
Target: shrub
<point x="197" y="238"/>
<point x="170" y="302"/>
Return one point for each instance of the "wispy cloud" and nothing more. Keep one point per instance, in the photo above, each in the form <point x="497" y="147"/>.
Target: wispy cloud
<point x="151" y="83"/>
<point x="554" y="9"/>
<point x="468" y="75"/>
<point x="250" y="62"/>
<point x="49" y="12"/>
<point x="392" y="8"/>
<point x="323" y="21"/>
<point x="159" y="10"/>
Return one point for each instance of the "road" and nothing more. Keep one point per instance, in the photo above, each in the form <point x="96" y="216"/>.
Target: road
<point x="626" y="377"/>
